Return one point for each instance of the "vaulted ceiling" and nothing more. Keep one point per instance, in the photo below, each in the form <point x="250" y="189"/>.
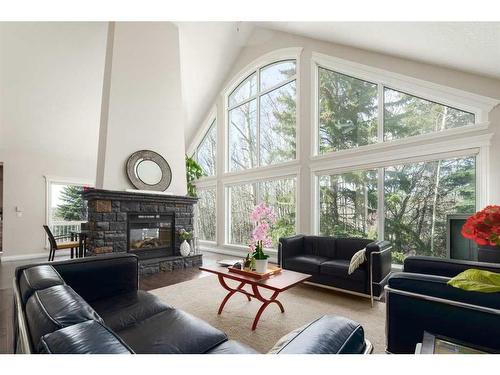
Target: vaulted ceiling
<point x="209" y="49"/>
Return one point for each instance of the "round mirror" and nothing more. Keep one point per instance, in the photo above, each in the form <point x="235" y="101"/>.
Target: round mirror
<point x="148" y="172"/>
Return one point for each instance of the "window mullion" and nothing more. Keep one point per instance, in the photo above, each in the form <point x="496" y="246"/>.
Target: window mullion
<point x="380" y="203"/>
<point x="257" y="141"/>
<point x="380" y="117"/>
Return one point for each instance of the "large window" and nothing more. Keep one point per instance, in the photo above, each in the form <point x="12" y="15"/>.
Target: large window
<point x="262" y="117"/>
<point x="279" y="193"/>
<point x="349" y="115"/>
<point x="206" y="152"/>
<point x="416" y="199"/>
<point x="205" y="210"/>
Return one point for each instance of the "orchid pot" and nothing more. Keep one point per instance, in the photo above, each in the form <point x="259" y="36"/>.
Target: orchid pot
<point x="261" y="265"/>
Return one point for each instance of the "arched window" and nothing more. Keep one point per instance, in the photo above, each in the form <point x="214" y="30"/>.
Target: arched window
<point x="262" y="117"/>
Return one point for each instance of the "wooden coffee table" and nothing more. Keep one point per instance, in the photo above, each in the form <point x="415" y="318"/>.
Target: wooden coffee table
<point x="277" y="283"/>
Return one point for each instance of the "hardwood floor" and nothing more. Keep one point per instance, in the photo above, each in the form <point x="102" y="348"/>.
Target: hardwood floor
<point x="155" y="281"/>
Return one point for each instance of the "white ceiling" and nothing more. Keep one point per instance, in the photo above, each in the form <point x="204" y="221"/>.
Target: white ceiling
<point x="209" y="49"/>
<point x="469" y="46"/>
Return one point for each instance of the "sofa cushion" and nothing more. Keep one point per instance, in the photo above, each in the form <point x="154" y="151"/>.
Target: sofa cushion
<point x="305" y="263"/>
<point x="347" y="247"/>
<point x="340" y="268"/>
<point x="54" y="308"/>
<point x="125" y="309"/>
<point x="327" y="335"/>
<point x="232" y="347"/>
<point x="320" y="246"/>
<point x="172" y="332"/>
<point x="90" y="337"/>
<point x="38" y="278"/>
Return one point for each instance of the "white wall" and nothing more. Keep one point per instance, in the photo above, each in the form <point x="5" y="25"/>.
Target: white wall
<point x="145" y="103"/>
<point x="50" y="93"/>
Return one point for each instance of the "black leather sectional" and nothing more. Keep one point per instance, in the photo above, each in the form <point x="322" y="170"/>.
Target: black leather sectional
<point x="419" y="299"/>
<point x="327" y="259"/>
<point x="93" y="305"/>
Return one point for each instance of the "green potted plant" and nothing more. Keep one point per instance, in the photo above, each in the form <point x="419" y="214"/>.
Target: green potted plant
<point x="263" y="216"/>
<point x="193" y="172"/>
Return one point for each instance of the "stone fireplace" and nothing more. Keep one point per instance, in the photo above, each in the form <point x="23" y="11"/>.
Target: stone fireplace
<point x="141" y="223"/>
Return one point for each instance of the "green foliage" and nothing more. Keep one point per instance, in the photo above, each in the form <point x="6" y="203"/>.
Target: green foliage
<point x="259" y="252"/>
<point x="73" y="206"/>
<point x="193" y="172"/>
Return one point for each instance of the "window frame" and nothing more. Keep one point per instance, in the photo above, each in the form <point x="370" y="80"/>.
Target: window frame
<point x="256" y="66"/>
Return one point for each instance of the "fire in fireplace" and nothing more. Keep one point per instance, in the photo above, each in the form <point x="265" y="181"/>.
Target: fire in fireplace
<point x="151" y="235"/>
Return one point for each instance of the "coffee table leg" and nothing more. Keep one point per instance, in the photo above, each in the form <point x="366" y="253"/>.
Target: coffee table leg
<point x="265" y="302"/>
<point x="232" y="291"/>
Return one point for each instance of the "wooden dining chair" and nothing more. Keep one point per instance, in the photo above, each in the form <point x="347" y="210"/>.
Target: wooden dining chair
<point x="54" y="245"/>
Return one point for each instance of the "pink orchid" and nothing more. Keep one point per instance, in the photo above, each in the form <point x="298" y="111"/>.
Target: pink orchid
<point x="263" y="216"/>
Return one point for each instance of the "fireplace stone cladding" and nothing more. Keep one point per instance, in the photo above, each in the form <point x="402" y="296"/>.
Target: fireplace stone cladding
<point x="108" y="212"/>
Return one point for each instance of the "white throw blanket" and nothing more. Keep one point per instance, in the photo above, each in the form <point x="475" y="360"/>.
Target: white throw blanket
<point x="357" y="260"/>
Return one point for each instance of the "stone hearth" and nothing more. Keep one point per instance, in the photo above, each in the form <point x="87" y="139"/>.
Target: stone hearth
<point x="108" y="226"/>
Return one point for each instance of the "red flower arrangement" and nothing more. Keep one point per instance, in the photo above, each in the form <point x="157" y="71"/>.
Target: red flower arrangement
<point x="484" y="227"/>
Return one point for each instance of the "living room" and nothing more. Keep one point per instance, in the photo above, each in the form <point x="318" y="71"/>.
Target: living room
<point x="342" y="176"/>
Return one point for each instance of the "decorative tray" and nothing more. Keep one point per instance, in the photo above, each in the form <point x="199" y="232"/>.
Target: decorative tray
<point x="271" y="270"/>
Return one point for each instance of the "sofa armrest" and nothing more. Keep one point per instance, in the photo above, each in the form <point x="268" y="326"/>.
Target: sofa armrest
<point x="436" y="288"/>
<point x="327" y="335"/>
<point x="288" y="247"/>
<point x="100" y="276"/>
<point x="379" y="258"/>
<point x="416" y="303"/>
<point x="444" y="267"/>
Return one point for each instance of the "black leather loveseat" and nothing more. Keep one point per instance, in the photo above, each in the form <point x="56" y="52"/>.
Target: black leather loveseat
<point x="419" y="299"/>
<point x="93" y="305"/>
<point x="327" y="259"/>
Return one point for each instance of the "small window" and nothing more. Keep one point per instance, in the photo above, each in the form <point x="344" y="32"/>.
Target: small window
<point x="206" y="153"/>
<point x="244" y="91"/>
<point x="407" y="115"/>
<point x="348" y="110"/>
<point x="66" y="207"/>
<point x="205" y="214"/>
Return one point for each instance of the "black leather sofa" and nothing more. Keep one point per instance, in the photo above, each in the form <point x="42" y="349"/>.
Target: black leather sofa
<point x="419" y="299"/>
<point x="93" y="306"/>
<point x="327" y="259"/>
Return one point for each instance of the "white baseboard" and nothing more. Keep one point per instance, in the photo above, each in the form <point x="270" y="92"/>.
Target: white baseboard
<point x="40" y="255"/>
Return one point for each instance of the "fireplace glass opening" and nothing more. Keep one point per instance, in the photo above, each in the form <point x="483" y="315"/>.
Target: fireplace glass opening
<point x="151" y="235"/>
